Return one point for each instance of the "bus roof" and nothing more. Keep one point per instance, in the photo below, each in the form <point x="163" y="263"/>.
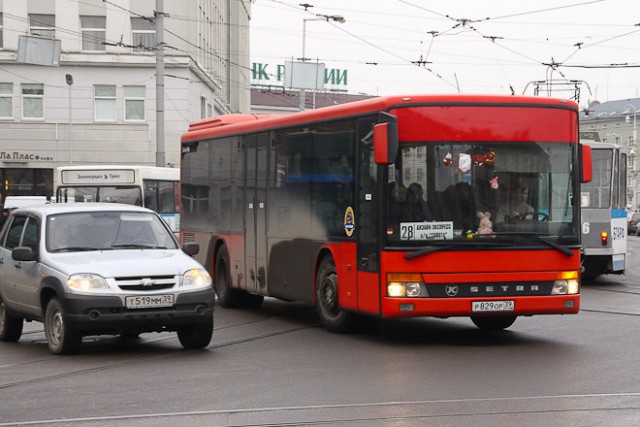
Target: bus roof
<point x="241" y="123"/>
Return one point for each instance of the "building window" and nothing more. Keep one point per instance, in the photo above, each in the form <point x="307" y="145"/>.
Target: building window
<point x="93" y="32"/>
<point x="134" y="102"/>
<point x="42" y="25"/>
<point x="203" y="107"/>
<point x="104" y="98"/>
<point x="6" y="100"/>
<point x="143" y="34"/>
<point x="1" y="31"/>
<point x="32" y="101"/>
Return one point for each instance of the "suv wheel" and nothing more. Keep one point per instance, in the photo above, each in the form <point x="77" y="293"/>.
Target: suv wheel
<point x="60" y="337"/>
<point x="10" y="327"/>
<point x="193" y="337"/>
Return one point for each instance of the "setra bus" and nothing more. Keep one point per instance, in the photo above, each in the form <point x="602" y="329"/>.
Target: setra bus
<point x="390" y="207"/>
<point x="152" y="187"/>
<point x="604" y="216"/>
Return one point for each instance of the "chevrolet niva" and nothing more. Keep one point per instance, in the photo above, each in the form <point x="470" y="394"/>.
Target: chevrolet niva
<point x="100" y="269"/>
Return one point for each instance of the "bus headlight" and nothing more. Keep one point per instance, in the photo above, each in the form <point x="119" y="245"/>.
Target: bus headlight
<point x="196" y="278"/>
<point x="405" y="285"/>
<point x="565" y="287"/>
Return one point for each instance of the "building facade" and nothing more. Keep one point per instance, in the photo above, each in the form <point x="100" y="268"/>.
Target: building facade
<point x="78" y="81"/>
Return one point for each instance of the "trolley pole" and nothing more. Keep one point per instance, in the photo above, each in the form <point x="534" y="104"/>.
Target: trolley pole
<point x="159" y="21"/>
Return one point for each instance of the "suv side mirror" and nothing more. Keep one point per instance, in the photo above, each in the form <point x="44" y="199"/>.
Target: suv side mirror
<point x="23" y="253"/>
<point x="191" y="249"/>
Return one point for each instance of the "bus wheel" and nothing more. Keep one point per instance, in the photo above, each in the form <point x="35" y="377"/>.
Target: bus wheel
<point x="227" y="297"/>
<point x="493" y="323"/>
<point x="332" y="317"/>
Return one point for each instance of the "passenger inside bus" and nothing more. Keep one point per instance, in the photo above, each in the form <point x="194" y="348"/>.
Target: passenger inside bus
<point x="405" y="205"/>
<point x="418" y="203"/>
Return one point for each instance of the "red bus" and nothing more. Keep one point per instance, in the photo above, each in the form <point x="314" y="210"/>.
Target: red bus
<point x="392" y="207"/>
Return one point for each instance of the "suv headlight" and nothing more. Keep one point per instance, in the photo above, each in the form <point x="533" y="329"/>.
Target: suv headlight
<point x="196" y="278"/>
<point x="87" y="283"/>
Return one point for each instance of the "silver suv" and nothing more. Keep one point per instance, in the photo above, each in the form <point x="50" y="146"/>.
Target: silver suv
<point x="94" y="269"/>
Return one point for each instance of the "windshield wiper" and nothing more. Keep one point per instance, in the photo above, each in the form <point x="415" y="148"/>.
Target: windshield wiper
<point x="137" y="246"/>
<point x="443" y="246"/>
<point x="538" y="238"/>
<point x="75" y="249"/>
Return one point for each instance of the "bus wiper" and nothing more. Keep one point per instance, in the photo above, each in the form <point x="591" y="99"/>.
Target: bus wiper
<point x="538" y="238"/>
<point x="442" y="246"/>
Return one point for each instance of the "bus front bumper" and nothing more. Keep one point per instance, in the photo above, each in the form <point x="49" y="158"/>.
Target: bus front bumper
<point x="500" y="306"/>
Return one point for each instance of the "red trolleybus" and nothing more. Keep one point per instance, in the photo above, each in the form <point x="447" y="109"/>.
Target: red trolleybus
<point x="394" y="206"/>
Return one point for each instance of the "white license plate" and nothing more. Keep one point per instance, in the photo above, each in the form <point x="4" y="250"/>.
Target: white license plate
<point x="149" y="301"/>
<point x="490" y="306"/>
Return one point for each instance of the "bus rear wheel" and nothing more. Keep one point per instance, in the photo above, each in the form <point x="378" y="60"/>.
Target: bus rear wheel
<point x="227" y="296"/>
<point x="333" y="318"/>
<point x="493" y="323"/>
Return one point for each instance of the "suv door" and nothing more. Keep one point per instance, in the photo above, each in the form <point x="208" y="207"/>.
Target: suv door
<point x="27" y="272"/>
<point x="19" y="278"/>
<point x="8" y="270"/>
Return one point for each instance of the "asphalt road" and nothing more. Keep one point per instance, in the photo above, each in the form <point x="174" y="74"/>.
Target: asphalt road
<point x="278" y="366"/>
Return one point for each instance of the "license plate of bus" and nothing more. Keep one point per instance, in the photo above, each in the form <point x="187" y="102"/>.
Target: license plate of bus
<point x="492" y="306"/>
<point x="149" y="301"/>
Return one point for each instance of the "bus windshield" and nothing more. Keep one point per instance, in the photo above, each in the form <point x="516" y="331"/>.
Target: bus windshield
<point x="452" y="191"/>
<point x="597" y="193"/>
<point x="130" y="195"/>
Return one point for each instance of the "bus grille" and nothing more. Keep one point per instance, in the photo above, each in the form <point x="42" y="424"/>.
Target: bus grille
<point x="146" y="283"/>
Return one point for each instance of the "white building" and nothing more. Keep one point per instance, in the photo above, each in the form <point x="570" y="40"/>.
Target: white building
<point x="108" y="112"/>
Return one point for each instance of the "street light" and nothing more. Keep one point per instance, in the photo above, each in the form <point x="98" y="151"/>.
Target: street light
<point x="319" y="17"/>
<point x="69" y="79"/>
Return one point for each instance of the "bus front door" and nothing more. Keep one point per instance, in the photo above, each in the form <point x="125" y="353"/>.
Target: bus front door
<point x="257" y="149"/>
<point x="368" y="252"/>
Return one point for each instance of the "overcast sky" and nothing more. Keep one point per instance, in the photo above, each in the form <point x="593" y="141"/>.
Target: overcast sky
<point x="468" y="46"/>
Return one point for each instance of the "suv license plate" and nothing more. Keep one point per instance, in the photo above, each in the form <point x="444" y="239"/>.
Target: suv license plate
<point x="491" y="306"/>
<point x="149" y="301"/>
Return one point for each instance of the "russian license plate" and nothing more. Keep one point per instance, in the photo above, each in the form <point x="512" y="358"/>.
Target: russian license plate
<point x="149" y="301"/>
<point x="490" y="306"/>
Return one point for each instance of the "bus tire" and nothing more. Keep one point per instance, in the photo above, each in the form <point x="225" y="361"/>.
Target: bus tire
<point x="333" y="318"/>
<point x="227" y="296"/>
<point x="493" y="323"/>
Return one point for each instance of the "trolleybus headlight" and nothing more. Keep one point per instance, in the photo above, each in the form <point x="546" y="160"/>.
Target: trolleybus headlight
<point x="87" y="283"/>
<point x="405" y="285"/>
<point x="196" y="277"/>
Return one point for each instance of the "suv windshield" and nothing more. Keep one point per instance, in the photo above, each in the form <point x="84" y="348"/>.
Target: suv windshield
<point x="447" y="192"/>
<point x="85" y="231"/>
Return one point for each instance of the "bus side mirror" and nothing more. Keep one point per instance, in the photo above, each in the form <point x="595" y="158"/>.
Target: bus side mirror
<point x="586" y="170"/>
<point x="385" y="142"/>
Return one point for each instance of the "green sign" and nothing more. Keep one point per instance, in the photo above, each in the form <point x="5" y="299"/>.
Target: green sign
<point x="270" y="74"/>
